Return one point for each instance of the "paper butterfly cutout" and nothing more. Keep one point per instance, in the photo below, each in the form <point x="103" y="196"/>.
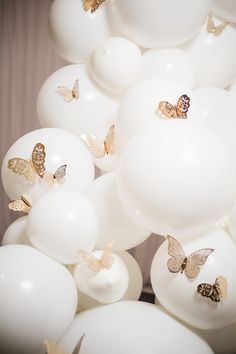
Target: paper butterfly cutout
<point x="100" y="148"/>
<point x="30" y="169"/>
<point x="57" y="177"/>
<point x="53" y="348"/>
<point x="178" y="111"/>
<point x="180" y="262"/>
<point x="68" y="94"/>
<point x="215" y="292"/>
<point x="24" y="204"/>
<point x="212" y="28"/>
<point x="97" y="264"/>
<point x="91" y="5"/>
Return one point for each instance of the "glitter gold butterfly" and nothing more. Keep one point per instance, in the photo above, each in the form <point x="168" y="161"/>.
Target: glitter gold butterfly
<point x="212" y="28"/>
<point x="180" y="262"/>
<point x="97" y="264"/>
<point x="53" y="348"/>
<point x="24" y="204"/>
<point x="67" y="94"/>
<point x="91" y="5"/>
<point x="57" y="177"/>
<point x="100" y="148"/>
<point x="215" y="292"/>
<point x="178" y="111"/>
<point x="30" y="169"/>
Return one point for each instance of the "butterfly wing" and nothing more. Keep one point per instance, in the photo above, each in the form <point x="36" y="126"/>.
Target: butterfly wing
<point x="27" y="199"/>
<point x="221" y="285"/>
<point x="96" y="4"/>
<point x="195" y="260"/>
<point x="65" y="93"/>
<point x="182" y="106"/>
<point x="92" y="262"/>
<point x="107" y="259"/>
<point x="110" y="141"/>
<point x="53" y="348"/>
<point x="60" y="174"/>
<point x="78" y="345"/>
<point x="219" y="29"/>
<point x="48" y="177"/>
<point x="23" y="167"/>
<point x="210" y="24"/>
<point x="87" y="4"/>
<point x="175" y="250"/>
<point x="75" y="91"/>
<point x="38" y="158"/>
<point x="19" y="205"/>
<point x="167" y="109"/>
<point x="95" y="146"/>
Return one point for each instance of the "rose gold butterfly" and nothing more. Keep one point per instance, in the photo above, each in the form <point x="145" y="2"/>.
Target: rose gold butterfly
<point x="68" y="94"/>
<point x="54" y="348"/>
<point x="100" y="148"/>
<point x="57" y="177"/>
<point x="212" y="28"/>
<point x="215" y="292"/>
<point x="24" y="204"/>
<point x="30" y="169"/>
<point x="180" y="262"/>
<point x="91" y="5"/>
<point x="97" y="264"/>
<point x="178" y="111"/>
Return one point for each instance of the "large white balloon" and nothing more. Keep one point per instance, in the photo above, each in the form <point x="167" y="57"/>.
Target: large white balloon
<point x="168" y="64"/>
<point x="176" y="178"/>
<point x="159" y="23"/>
<point x="116" y="64"/>
<point x="62" y="223"/>
<point x="106" y="285"/>
<point x="61" y="148"/>
<point x="213" y="57"/>
<point x="70" y="25"/>
<point x="89" y="113"/>
<point x="131" y="327"/>
<point x="179" y="295"/>
<point x="16" y="233"/>
<point x="225" y="9"/>
<point x="38" y="300"/>
<point x="113" y="221"/>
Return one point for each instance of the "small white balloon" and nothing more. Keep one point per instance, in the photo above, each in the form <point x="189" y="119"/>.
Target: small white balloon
<point x="106" y="285"/>
<point x="120" y="329"/>
<point x="61" y="223"/>
<point x="213" y="56"/>
<point x="62" y="148"/>
<point x="38" y="300"/>
<point x="168" y="64"/>
<point x="176" y="178"/>
<point x="113" y="221"/>
<point x="68" y="99"/>
<point x="69" y="25"/>
<point x="225" y="9"/>
<point x="16" y="233"/>
<point x="159" y="23"/>
<point x="116" y="64"/>
<point x="179" y="295"/>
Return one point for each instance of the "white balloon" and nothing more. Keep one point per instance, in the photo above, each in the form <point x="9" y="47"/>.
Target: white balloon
<point x="213" y="57"/>
<point x="113" y="221"/>
<point x="119" y="329"/>
<point x="168" y="64"/>
<point x="61" y="148"/>
<point x="159" y="23"/>
<point x="179" y="295"/>
<point x="69" y="25"/>
<point x="16" y="233"/>
<point x="225" y="9"/>
<point x="176" y="178"/>
<point x="105" y="286"/>
<point x="116" y="64"/>
<point x="91" y="112"/>
<point x="62" y="223"/>
<point x="139" y="106"/>
<point x="38" y="300"/>
<point x="221" y="119"/>
<point x="133" y="291"/>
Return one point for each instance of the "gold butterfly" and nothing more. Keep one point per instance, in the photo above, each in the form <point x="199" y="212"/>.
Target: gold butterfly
<point x="215" y="292"/>
<point x="100" y="148"/>
<point x="97" y="264"/>
<point x="30" y="169"/>
<point x="24" y="204"/>
<point x="57" y="177"/>
<point x="212" y="28"/>
<point x="68" y="94"/>
<point x="91" y="5"/>
<point x="53" y="348"/>
<point x="180" y="262"/>
<point x="178" y="111"/>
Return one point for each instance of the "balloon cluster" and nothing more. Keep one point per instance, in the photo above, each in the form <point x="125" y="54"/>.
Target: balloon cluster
<point x="147" y="100"/>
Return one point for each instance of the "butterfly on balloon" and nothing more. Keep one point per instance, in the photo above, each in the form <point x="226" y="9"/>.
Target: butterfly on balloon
<point x="213" y="29"/>
<point x="67" y="94"/>
<point x="175" y="111"/>
<point x="24" y="204"/>
<point x="91" y="5"/>
<point x="95" y="264"/>
<point x="215" y="292"/>
<point x="54" y="348"/>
